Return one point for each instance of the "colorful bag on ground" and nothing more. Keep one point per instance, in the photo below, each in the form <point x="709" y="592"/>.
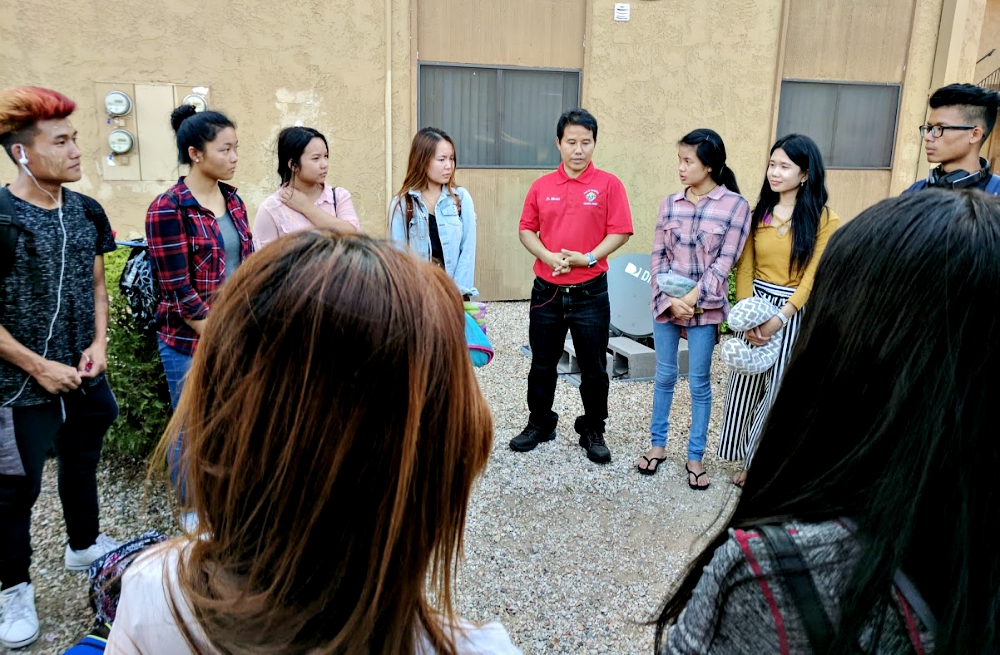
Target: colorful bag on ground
<point x="477" y="310"/>
<point x="106" y="574"/>
<point x="480" y="348"/>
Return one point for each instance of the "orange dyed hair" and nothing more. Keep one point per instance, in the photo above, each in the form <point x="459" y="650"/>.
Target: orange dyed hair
<point x="21" y="107"/>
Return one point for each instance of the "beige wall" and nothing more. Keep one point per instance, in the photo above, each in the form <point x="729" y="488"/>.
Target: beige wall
<point x="988" y="40"/>
<point x="674" y="67"/>
<point x="267" y="65"/>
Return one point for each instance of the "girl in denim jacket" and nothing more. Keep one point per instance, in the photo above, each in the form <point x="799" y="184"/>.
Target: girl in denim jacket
<point x="432" y="215"/>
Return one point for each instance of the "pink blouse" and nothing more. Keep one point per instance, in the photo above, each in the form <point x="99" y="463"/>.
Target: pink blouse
<point x="275" y="219"/>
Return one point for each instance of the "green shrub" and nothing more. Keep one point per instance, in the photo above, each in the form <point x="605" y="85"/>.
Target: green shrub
<point x="732" y="297"/>
<point x="134" y="372"/>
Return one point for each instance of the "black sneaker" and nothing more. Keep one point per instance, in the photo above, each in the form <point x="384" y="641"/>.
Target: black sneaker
<point x="529" y="438"/>
<point x="593" y="442"/>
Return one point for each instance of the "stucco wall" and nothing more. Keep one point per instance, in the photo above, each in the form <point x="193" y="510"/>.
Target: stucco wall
<point x="974" y="24"/>
<point x="675" y="67"/>
<point x="267" y="65"/>
<point x="988" y="40"/>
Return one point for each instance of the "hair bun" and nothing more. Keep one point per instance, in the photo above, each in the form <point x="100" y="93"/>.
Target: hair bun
<point x="181" y="114"/>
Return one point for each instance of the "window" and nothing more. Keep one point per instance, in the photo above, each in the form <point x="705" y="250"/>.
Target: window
<point x="498" y="117"/>
<point x="854" y="125"/>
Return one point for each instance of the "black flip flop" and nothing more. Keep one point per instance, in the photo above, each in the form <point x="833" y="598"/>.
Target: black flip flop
<point x="696" y="476"/>
<point x="649" y="462"/>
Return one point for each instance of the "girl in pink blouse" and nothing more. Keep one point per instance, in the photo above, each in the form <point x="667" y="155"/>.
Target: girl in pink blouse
<point x="304" y="200"/>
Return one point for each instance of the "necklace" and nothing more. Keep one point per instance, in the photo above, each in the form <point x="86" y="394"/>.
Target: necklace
<point x="697" y="197"/>
<point x="781" y="224"/>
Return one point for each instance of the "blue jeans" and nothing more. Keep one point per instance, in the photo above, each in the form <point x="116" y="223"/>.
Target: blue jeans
<point x="176" y="365"/>
<point x="701" y="343"/>
<point x="583" y="310"/>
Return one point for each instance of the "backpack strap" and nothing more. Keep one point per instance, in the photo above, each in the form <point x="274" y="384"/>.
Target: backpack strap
<point x="993" y="186"/>
<point x="94" y="211"/>
<point x="10" y="226"/>
<point x="334" y="202"/>
<point x="800" y="585"/>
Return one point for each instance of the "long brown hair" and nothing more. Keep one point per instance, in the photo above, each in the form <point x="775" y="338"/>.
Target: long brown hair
<point x="332" y="428"/>
<point x="422" y="151"/>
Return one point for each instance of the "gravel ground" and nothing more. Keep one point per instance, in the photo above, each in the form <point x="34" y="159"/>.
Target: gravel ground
<point x="571" y="556"/>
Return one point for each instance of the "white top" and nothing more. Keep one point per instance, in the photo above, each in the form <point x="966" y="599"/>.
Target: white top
<point x="146" y="624"/>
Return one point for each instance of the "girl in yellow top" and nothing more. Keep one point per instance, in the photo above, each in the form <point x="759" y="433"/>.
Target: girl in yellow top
<point x="789" y="231"/>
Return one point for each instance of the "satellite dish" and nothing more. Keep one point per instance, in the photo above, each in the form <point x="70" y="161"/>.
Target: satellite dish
<point x="630" y="292"/>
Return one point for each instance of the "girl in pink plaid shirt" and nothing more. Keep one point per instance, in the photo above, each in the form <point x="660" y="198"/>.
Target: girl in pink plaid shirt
<point x="699" y="234"/>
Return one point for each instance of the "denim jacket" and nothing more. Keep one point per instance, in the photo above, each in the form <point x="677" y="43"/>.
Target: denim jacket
<point x="458" y="233"/>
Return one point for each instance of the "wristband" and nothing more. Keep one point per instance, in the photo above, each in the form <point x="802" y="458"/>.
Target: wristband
<point x="782" y="318"/>
<point x="590" y="260"/>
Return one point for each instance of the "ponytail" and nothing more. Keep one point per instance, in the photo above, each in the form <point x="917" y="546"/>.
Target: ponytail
<point x="727" y="178"/>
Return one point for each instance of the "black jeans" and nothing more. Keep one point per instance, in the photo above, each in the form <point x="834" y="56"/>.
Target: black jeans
<point x="90" y="411"/>
<point x="584" y="310"/>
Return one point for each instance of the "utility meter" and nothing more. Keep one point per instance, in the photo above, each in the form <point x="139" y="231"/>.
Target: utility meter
<point x="197" y="101"/>
<point x="121" y="141"/>
<point x="117" y="103"/>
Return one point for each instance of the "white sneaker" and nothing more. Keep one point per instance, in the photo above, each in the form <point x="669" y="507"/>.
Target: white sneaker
<point x="19" y="624"/>
<point x="80" y="560"/>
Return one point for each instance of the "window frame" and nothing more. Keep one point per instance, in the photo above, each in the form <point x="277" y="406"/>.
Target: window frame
<point x="839" y="83"/>
<point x="499" y="109"/>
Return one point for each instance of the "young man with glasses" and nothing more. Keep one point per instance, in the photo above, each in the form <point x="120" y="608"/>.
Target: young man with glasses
<point x="961" y="119"/>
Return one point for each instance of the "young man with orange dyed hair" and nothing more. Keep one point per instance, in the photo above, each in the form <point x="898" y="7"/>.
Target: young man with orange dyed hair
<point x="53" y="345"/>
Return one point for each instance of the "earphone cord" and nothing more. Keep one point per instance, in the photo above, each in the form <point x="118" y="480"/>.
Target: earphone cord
<point x="62" y="271"/>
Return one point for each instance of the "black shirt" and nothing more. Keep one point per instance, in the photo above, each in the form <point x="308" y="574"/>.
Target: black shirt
<point x="437" y="252"/>
<point x="27" y="314"/>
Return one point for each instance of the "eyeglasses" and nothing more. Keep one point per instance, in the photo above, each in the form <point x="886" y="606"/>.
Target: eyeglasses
<point x="937" y="131"/>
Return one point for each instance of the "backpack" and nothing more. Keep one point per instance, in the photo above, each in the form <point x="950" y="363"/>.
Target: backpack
<point x="139" y="288"/>
<point x="11" y="228"/>
<point x="105" y="574"/>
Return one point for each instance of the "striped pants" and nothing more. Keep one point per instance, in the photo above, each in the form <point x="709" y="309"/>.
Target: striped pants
<point x="749" y="397"/>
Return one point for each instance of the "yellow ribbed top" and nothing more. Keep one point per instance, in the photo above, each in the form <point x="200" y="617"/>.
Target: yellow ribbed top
<point x="766" y="256"/>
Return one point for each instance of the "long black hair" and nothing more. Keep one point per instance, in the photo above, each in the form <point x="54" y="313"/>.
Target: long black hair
<point x="886" y="414"/>
<point x="711" y="152"/>
<point x="196" y="128"/>
<point x="809" y="203"/>
<point x="292" y="142"/>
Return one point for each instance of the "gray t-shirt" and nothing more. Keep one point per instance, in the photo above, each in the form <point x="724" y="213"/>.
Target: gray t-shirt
<point x="230" y="241"/>
<point x="27" y="313"/>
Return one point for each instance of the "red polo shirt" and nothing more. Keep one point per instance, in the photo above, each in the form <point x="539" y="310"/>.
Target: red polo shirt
<point x="575" y="214"/>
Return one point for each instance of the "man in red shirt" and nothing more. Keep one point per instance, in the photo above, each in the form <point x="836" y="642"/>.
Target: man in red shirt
<point x="573" y="219"/>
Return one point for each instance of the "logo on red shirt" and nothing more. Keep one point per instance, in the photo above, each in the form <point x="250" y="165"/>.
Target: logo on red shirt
<point x="590" y="195"/>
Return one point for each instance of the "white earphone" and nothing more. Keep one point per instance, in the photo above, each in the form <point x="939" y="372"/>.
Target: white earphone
<point x="23" y="161"/>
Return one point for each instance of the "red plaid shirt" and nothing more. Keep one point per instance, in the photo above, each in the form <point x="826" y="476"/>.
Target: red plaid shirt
<point x="189" y="260"/>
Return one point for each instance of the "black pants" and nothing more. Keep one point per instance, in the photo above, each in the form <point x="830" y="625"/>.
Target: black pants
<point x="90" y="411"/>
<point x="585" y="312"/>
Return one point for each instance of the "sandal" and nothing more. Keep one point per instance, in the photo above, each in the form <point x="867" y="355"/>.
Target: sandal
<point x="739" y="479"/>
<point x="651" y="461"/>
<point x="695" y="486"/>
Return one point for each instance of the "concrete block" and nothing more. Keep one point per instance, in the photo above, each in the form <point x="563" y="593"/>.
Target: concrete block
<point x="568" y="362"/>
<point x="638" y="360"/>
<point x="682" y="358"/>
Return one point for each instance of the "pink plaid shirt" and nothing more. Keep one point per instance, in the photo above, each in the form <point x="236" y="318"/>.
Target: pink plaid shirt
<point x="700" y="243"/>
